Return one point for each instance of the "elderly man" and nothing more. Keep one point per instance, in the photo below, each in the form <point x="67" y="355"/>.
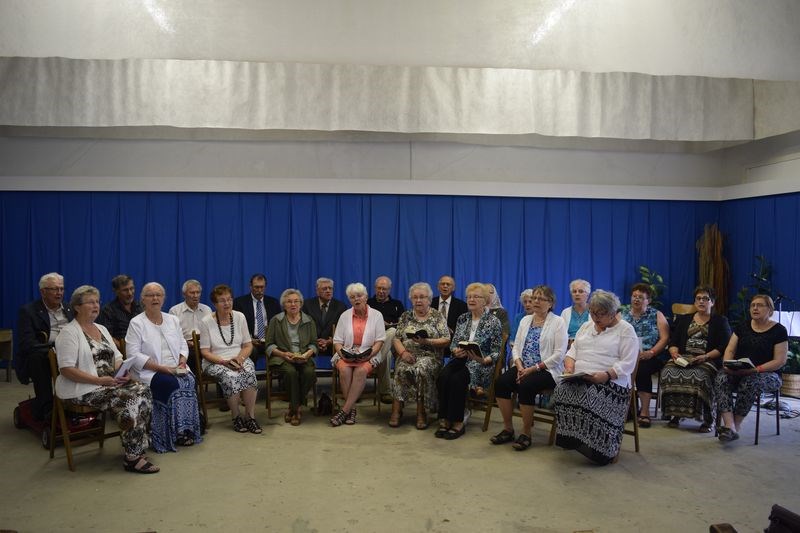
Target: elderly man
<point x="447" y="304"/>
<point x="258" y="309"/>
<point x="325" y="311"/>
<point x="38" y="325"/>
<point x="391" y="310"/>
<point x="190" y="311"/>
<point x="117" y="314"/>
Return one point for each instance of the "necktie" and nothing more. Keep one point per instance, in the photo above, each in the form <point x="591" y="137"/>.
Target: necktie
<point x="443" y="309"/>
<point x="324" y="311"/>
<point x="259" y="319"/>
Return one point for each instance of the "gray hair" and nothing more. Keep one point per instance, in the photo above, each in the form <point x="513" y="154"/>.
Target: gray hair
<point x="188" y="283"/>
<point x="355" y="288"/>
<point x="527" y="293"/>
<point x="77" y="295"/>
<point x="421" y="286"/>
<point x="152" y="284"/>
<point x="320" y="281"/>
<point x="52" y="276"/>
<point x="586" y="284"/>
<point x="288" y="292"/>
<point x="387" y="278"/>
<point x="604" y="301"/>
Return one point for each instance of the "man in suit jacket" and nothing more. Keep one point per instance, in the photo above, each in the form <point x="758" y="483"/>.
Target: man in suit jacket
<point x="447" y="304"/>
<point x="39" y="320"/>
<point x="258" y="309"/>
<point x="325" y="311"/>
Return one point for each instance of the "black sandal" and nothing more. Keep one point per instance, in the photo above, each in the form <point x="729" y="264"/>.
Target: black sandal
<point x="252" y="426"/>
<point x="453" y="434"/>
<point x="443" y="427"/>
<point x="644" y="421"/>
<point x="338" y="419"/>
<point x="146" y="468"/>
<point x="184" y="440"/>
<point x="503" y="437"/>
<point x="522" y="443"/>
<point x="239" y="425"/>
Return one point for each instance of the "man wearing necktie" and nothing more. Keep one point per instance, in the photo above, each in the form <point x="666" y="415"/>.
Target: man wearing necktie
<point x="325" y="310"/>
<point x="258" y="309"/>
<point x="447" y="304"/>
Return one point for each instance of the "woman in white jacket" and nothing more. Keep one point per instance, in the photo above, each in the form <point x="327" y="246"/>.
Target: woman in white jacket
<point x="537" y="361"/>
<point x="88" y="361"/>
<point x="155" y="341"/>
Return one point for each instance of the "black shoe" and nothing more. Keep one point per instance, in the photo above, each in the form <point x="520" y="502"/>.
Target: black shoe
<point x="224" y="407"/>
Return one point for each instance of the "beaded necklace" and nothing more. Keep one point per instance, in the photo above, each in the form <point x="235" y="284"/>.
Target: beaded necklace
<point x="230" y="317"/>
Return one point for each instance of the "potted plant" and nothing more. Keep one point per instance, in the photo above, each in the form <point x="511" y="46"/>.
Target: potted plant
<point x="791" y="372"/>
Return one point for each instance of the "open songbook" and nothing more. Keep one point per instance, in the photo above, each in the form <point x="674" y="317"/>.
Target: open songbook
<point x="416" y="334"/>
<point x="575" y="376"/>
<point x="471" y="346"/>
<point x="739" y="364"/>
<point x="355" y="356"/>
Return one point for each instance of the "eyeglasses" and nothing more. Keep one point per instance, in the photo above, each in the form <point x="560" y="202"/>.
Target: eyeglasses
<point x="54" y="289"/>
<point x="540" y="299"/>
<point x="702" y="299"/>
<point x="757" y="305"/>
<point x="475" y="297"/>
<point x="225" y="300"/>
<point x="152" y="295"/>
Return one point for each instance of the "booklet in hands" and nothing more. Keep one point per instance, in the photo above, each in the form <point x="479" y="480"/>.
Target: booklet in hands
<point x="355" y="356"/>
<point x="472" y="347"/>
<point x="739" y="364"/>
<point x="575" y="376"/>
<point x="416" y="334"/>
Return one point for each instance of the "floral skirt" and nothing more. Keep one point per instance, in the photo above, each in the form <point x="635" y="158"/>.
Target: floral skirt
<point x="233" y="381"/>
<point x="688" y="392"/>
<point x="417" y="378"/>
<point x="175" y="411"/>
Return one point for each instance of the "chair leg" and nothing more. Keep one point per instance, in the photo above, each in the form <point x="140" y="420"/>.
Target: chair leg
<point x="53" y="417"/>
<point x="65" y="435"/>
<point x="201" y="393"/>
<point x="269" y="394"/>
<point x="758" y="417"/>
<point x="778" y="411"/>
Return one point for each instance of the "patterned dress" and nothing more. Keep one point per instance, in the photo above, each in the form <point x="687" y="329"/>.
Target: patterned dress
<point x="420" y="376"/>
<point x="131" y="404"/>
<point x="175" y="411"/>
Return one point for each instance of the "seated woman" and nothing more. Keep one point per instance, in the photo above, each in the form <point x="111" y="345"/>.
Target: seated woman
<point x="698" y="339"/>
<point x="575" y="315"/>
<point x="537" y="362"/>
<point x="291" y="346"/>
<point x="360" y="330"/>
<point x="766" y="343"/>
<point x="652" y="328"/>
<point x="225" y="345"/>
<point x="467" y="367"/>
<point x="590" y="411"/>
<point x="156" y="342"/>
<point x="419" y="356"/>
<point x="88" y="360"/>
<point x="526" y="300"/>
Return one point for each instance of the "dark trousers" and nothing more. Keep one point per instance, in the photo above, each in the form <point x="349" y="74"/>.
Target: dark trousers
<point x="452" y="385"/>
<point x="39" y="371"/>
<point x="647" y="367"/>
<point x="297" y="379"/>
<point x="527" y="390"/>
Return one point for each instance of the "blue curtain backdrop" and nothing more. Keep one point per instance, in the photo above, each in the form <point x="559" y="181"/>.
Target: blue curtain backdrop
<point x="294" y="238"/>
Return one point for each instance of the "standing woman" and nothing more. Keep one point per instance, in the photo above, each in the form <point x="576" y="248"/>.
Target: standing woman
<point x="88" y="360"/>
<point x="360" y="329"/>
<point x="291" y="346"/>
<point x="419" y="358"/>
<point x="653" y="331"/>
<point x="467" y="368"/>
<point x="156" y="342"/>
<point x="537" y="362"/>
<point x="591" y="411"/>
<point x="575" y="315"/>
<point x="766" y="343"/>
<point x="225" y="345"/>
<point x="701" y="337"/>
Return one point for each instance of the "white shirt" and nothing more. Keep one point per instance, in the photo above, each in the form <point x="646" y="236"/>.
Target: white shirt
<point x="211" y="338"/>
<point x="190" y="318"/>
<point x="145" y="341"/>
<point x="616" y="347"/>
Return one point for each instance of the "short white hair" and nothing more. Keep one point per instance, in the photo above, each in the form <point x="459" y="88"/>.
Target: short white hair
<point x="586" y="285"/>
<point x="52" y="276"/>
<point x="152" y="284"/>
<point x="421" y="286"/>
<point x="355" y="288"/>
<point x="527" y="293"/>
<point x="387" y="278"/>
<point x="188" y="283"/>
<point x="320" y="281"/>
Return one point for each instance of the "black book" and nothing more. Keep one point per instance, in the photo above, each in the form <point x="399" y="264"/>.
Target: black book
<point x="739" y="364"/>
<point x="471" y="346"/>
<point x="355" y="356"/>
<point x="416" y="334"/>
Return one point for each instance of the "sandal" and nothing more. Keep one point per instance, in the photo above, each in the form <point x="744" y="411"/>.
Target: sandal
<point x="503" y="437"/>
<point x="443" y="428"/>
<point x="295" y="421"/>
<point x="338" y="419"/>
<point x="727" y="434"/>
<point x="239" y="426"/>
<point x="644" y="421"/>
<point x="350" y="419"/>
<point x="252" y="426"/>
<point x="140" y="465"/>
<point x="453" y="434"/>
<point x="395" y="419"/>
<point x="522" y="443"/>
<point x="422" y="420"/>
<point x="674" y="422"/>
<point x="704" y="428"/>
<point x="184" y="440"/>
<point x="287" y="416"/>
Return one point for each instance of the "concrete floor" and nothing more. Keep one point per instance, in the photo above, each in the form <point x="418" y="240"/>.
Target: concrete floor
<point x="370" y="477"/>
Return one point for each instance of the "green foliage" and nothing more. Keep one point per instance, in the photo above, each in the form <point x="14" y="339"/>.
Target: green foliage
<point x="793" y="359"/>
<point x="656" y="283"/>
<point x="762" y="284"/>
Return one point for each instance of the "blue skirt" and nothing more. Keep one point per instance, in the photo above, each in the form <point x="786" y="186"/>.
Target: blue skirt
<point x="175" y="411"/>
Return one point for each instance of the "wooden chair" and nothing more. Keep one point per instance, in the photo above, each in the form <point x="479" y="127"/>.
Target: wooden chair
<point x="281" y="394"/>
<point x="7" y="350"/>
<point x="634" y="413"/>
<point x="682" y="309"/>
<point x="120" y="345"/>
<point x="96" y="432"/>
<point x="202" y="380"/>
<point x="776" y="398"/>
<point x="489" y="402"/>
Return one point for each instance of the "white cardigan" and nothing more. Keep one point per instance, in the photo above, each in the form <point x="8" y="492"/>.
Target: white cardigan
<point x="552" y="343"/>
<point x="374" y="331"/>
<point x="73" y="351"/>
<point x="143" y="342"/>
